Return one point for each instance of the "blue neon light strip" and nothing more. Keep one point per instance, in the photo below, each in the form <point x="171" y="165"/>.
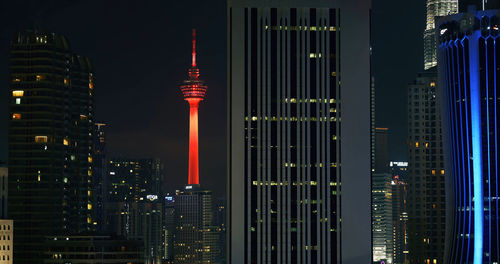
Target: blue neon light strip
<point x="475" y="98"/>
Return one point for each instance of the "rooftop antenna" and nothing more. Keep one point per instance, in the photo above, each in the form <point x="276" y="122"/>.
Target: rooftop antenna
<point x="193" y="63"/>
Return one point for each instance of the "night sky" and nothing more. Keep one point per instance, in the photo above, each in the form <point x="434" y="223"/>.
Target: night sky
<point x="141" y="52"/>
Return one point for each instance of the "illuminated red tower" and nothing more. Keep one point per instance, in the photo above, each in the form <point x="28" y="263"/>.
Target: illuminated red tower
<point x="194" y="91"/>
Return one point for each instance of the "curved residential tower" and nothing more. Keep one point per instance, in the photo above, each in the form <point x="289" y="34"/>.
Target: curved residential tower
<point x="194" y="91"/>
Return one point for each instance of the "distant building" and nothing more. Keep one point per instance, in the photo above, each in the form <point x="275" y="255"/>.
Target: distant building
<point x="195" y="236"/>
<point x="131" y="179"/>
<point x="4" y="191"/>
<point x="100" y="181"/>
<point x="478" y="5"/>
<point x="220" y="224"/>
<point x="381" y="150"/>
<point x="170" y="226"/>
<point x="469" y="88"/>
<point x="51" y="126"/>
<point x="435" y="8"/>
<point x="426" y="186"/>
<point x="92" y="249"/>
<point x="6" y="239"/>
<point x="382" y="230"/>
<point x="399" y="189"/>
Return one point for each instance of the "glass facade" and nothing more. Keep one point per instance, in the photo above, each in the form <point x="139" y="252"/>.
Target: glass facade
<point x="469" y="74"/>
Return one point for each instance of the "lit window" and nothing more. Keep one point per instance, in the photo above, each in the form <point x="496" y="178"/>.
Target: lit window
<point x="91" y="85"/>
<point x="41" y="139"/>
<point x="16" y="79"/>
<point x="90" y="159"/>
<point x="433" y="172"/>
<point x="83" y="117"/>
<point x="65" y="141"/>
<point x="18" y="100"/>
<point x="416" y="144"/>
<point x="89" y="172"/>
<point x="17" y="93"/>
<point x="16" y="116"/>
<point x="89" y="206"/>
<point x="89" y="220"/>
<point x="39" y="78"/>
<point x="442" y="172"/>
<point x="433" y="84"/>
<point x="66" y="81"/>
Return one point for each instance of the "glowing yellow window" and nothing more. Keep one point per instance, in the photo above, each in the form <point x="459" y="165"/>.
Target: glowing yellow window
<point x="89" y="220"/>
<point x="41" y="139"/>
<point x="442" y="172"/>
<point x="39" y="78"/>
<point x="89" y="172"/>
<point x="91" y="85"/>
<point x="416" y="144"/>
<point x="83" y="117"/>
<point x="17" y="93"/>
<point x="89" y="206"/>
<point x="433" y="84"/>
<point x="16" y="116"/>
<point x="65" y="141"/>
<point x="90" y="159"/>
<point x="433" y="172"/>
<point x="16" y="79"/>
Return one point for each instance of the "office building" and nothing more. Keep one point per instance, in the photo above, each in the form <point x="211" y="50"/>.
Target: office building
<point x="170" y="225"/>
<point x="92" y="249"/>
<point x="130" y="179"/>
<point x="299" y="136"/>
<point x="399" y="189"/>
<point x="426" y="189"/>
<point x="195" y="235"/>
<point x="382" y="229"/>
<point x="381" y="150"/>
<point x="435" y="8"/>
<point x="6" y="239"/>
<point x="51" y="125"/>
<point x="468" y="74"/>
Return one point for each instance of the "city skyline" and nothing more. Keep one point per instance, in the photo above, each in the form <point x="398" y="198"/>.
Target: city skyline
<point x="132" y="98"/>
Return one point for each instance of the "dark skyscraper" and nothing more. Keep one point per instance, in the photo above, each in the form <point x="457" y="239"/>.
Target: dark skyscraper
<point x="299" y="131"/>
<point x="478" y="4"/>
<point x="469" y="77"/>
<point x="50" y="141"/>
<point x="100" y="173"/>
<point x="381" y="150"/>
<point x="426" y="189"/>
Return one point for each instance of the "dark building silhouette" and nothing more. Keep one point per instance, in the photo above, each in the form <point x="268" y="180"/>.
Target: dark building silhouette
<point x="100" y="182"/>
<point x="51" y="126"/>
<point x="381" y="150"/>
<point x="464" y="5"/>
<point x="426" y="187"/>
<point x="469" y="78"/>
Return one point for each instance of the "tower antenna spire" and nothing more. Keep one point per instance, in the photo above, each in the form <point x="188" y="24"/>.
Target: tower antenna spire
<point x="193" y="63"/>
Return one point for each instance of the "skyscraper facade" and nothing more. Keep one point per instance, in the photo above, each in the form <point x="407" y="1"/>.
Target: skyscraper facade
<point x="299" y="131"/>
<point x="469" y="78"/>
<point x="195" y="236"/>
<point x="426" y="187"/>
<point x="399" y="189"/>
<point x="382" y="218"/>
<point x="435" y="8"/>
<point x="100" y="182"/>
<point x="50" y="141"/>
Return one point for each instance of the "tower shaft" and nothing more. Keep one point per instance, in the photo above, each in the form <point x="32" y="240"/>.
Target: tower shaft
<point x="193" y="177"/>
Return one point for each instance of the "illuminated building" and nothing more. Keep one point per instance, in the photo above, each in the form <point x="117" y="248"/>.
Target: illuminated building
<point x="92" y="249"/>
<point x="195" y="235"/>
<point x="169" y="228"/>
<point x="382" y="218"/>
<point x="469" y="78"/>
<point x="399" y="186"/>
<point x="131" y="179"/>
<point x="435" y="8"/>
<point x="194" y="91"/>
<point x="426" y="186"/>
<point x="51" y="126"/>
<point x="299" y="146"/>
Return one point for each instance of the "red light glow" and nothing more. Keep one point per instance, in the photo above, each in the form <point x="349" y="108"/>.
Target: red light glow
<point x="194" y="91"/>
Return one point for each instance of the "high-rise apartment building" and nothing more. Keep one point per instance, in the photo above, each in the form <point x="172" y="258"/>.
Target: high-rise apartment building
<point x="435" y="8"/>
<point x="299" y="131"/>
<point x="469" y="79"/>
<point x="51" y="125"/>
<point x="195" y="235"/>
<point x="426" y="187"/>
<point x="100" y="182"/>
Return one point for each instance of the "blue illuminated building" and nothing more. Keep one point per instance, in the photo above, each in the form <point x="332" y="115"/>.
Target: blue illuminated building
<point x="469" y="71"/>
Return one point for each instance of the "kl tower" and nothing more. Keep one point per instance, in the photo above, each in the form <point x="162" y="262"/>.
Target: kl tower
<point x="194" y="91"/>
